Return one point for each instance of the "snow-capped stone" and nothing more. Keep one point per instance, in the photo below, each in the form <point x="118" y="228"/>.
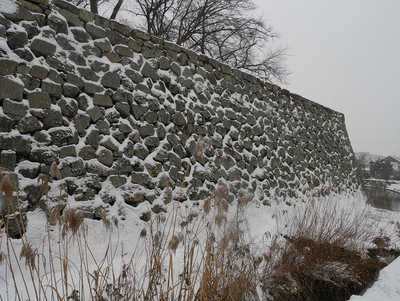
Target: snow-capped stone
<point x="42" y="47"/>
<point x="14" y="109"/>
<point x="95" y="31"/>
<point x="29" y="124"/>
<point x="80" y="34"/>
<point x="57" y="23"/>
<point x="12" y="89"/>
<point x="16" y="38"/>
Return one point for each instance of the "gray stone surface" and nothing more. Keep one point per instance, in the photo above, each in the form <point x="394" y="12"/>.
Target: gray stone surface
<point x="16" y="39"/>
<point x="8" y="67"/>
<point x="42" y="47"/>
<point x="14" y="109"/>
<point x="51" y="118"/>
<point x="39" y="100"/>
<point x="96" y="32"/>
<point x="149" y="71"/>
<point x="111" y="80"/>
<point x="63" y="136"/>
<point x="10" y="88"/>
<point x="72" y="167"/>
<point x="80" y="34"/>
<point x="102" y="100"/>
<point x="154" y="109"/>
<point x="105" y="156"/>
<point x="29" y="124"/>
<point x="57" y="23"/>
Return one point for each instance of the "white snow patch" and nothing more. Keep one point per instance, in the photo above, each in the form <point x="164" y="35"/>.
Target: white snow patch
<point x="8" y="6"/>
<point x="386" y="288"/>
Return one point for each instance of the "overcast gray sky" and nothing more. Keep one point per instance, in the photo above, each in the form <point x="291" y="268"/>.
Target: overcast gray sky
<point x="345" y="54"/>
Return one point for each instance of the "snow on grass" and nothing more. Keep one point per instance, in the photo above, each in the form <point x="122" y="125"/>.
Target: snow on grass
<point x="107" y="247"/>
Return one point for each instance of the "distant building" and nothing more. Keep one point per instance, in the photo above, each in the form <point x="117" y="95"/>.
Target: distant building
<point x="387" y="168"/>
<point x="395" y="163"/>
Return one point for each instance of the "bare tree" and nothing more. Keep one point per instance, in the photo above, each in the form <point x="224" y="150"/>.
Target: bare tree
<point x="222" y="29"/>
<point x="94" y="5"/>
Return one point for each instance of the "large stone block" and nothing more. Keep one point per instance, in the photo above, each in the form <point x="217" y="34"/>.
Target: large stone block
<point x="68" y="106"/>
<point x="71" y="15"/>
<point x="21" y="13"/>
<point x="39" y="71"/>
<point x="14" y="109"/>
<point x="57" y="23"/>
<point x="8" y="159"/>
<point x="96" y="32"/>
<point x="63" y="136"/>
<point x="42" y="47"/>
<point x="22" y="145"/>
<point x="29" y="124"/>
<point x="149" y="71"/>
<point x="16" y="39"/>
<point x="6" y="123"/>
<point x="8" y="66"/>
<point x="140" y="178"/>
<point x="104" y="45"/>
<point x="116" y="38"/>
<point x="102" y="100"/>
<point x="111" y="80"/>
<point x="70" y="90"/>
<point x="11" y="88"/>
<point x="45" y="155"/>
<point x="95" y="113"/>
<point x="72" y="167"/>
<point x="51" y="88"/>
<point x="51" y="118"/>
<point x="39" y="100"/>
<point x="122" y="166"/>
<point x="80" y="34"/>
<point x="105" y="156"/>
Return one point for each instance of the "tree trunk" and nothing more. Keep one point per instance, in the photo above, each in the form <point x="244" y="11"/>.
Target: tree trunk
<point x="93" y="6"/>
<point x="116" y="9"/>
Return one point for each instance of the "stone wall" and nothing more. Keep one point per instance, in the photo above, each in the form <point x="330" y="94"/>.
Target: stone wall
<point x="126" y="114"/>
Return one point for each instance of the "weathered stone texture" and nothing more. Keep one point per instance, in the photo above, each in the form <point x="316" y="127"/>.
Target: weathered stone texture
<point x="115" y="106"/>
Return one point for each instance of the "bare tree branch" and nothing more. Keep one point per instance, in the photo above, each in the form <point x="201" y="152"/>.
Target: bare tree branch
<point x="222" y="29"/>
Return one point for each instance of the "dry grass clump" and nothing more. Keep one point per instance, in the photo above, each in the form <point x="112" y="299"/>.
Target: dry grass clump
<point x="230" y="268"/>
<point x="71" y="221"/>
<point x="202" y="144"/>
<point x="323" y="254"/>
<point x="8" y="184"/>
<point x="30" y="254"/>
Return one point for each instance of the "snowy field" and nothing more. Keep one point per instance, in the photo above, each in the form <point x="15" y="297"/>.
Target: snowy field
<point x="394" y="186"/>
<point x="110" y="245"/>
<point x="386" y="288"/>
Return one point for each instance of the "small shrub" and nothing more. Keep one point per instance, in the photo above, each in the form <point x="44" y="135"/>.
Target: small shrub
<point x="323" y="255"/>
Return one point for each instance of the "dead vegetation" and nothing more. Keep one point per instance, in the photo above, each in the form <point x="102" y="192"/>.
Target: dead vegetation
<point x="320" y="252"/>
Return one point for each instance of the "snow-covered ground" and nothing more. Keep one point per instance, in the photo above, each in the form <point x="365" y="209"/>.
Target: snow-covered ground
<point x="102" y="247"/>
<point x="386" y="288"/>
<point x="391" y="185"/>
<point x="394" y="186"/>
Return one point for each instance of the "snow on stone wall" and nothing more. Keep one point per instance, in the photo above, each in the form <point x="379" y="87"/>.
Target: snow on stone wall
<point x="127" y="114"/>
